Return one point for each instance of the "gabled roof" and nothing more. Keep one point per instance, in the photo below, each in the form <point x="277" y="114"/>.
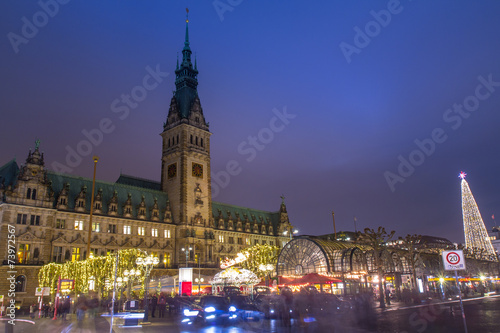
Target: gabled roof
<point x="9" y="173"/>
<point x="76" y="184"/>
<point x="274" y="217"/>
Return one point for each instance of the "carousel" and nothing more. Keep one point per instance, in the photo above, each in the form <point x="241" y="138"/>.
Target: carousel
<point x="234" y="277"/>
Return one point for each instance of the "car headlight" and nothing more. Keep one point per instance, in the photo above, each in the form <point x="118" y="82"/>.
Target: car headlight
<point x="190" y="313"/>
<point x="209" y="309"/>
<point x="232" y="308"/>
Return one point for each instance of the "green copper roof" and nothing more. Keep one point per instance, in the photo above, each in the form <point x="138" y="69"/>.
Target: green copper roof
<point x="76" y="184"/>
<point x="139" y="182"/>
<point x="267" y="217"/>
<point x="8" y="173"/>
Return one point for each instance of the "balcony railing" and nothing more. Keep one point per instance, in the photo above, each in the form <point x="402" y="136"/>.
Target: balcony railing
<point x="26" y="263"/>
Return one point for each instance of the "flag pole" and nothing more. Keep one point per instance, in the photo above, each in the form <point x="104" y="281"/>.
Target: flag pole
<point x="334" y="228"/>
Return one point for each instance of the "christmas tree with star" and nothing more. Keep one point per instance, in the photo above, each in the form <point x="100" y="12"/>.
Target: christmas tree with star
<point x="476" y="236"/>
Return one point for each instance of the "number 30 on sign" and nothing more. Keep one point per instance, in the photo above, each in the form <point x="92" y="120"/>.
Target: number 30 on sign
<point x="453" y="260"/>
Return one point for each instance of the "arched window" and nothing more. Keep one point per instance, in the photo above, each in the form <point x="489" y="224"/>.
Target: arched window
<point x="177" y="138"/>
<point x="28" y="194"/>
<point x="21" y="283"/>
<point x="33" y="194"/>
<point x="191" y="139"/>
<point x="196" y="140"/>
<point x="201" y="142"/>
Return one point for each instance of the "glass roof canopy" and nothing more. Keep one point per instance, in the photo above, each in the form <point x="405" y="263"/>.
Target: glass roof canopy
<point x="305" y="254"/>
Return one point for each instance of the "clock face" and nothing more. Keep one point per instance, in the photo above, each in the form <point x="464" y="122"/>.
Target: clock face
<point x="172" y="170"/>
<point x="197" y="170"/>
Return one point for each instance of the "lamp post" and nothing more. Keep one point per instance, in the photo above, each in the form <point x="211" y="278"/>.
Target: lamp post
<point x="267" y="271"/>
<point x="187" y="253"/>
<point x="290" y="232"/>
<point x="131" y="276"/>
<point x="199" y="281"/>
<point x="95" y="158"/>
<point x="148" y="264"/>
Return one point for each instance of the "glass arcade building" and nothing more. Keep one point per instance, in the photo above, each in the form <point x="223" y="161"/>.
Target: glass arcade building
<point x="353" y="264"/>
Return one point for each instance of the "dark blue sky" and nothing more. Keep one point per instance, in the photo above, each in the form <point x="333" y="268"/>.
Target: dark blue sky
<point x="356" y="111"/>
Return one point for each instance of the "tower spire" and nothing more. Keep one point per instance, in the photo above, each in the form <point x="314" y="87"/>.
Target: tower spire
<point x="186" y="80"/>
<point x="186" y="41"/>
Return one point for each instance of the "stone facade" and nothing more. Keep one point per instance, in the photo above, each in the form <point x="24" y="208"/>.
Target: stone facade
<point x="50" y="212"/>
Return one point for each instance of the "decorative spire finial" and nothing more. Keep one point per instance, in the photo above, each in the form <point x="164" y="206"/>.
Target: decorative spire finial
<point x="462" y="175"/>
<point x="37" y="144"/>
<point x="187" y="15"/>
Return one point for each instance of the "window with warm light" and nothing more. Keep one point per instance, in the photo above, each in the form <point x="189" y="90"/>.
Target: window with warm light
<point x="75" y="254"/>
<point x="141" y="231"/>
<point x="167" y="259"/>
<point x="221" y="239"/>
<point x="154" y="232"/>
<point x="78" y="225"/>
<point x="23" y="253"/>
<point x="96" y="226"/>
<point x="167" y="233"/>
<point x="127" y="230"/>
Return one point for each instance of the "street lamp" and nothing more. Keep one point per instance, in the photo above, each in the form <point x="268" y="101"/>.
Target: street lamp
<point x="131" y="276"/>
<point x="199" y="281"/>
<point x="267" y="269"/>
<point x="290" y="232"/>
<point x="187" y="254"/>
<point x="148" y="264"/>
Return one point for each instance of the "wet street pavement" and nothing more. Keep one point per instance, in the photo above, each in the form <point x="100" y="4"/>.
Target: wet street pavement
<point x="482" y="316"/>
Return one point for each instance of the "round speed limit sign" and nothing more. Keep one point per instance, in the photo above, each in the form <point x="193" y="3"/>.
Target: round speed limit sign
<point x="453" y="260"/>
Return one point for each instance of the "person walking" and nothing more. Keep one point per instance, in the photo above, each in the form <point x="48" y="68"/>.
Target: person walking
<point x="32" y="311"/>
<point x="388" y="296"/>
<point x="162" y="302"/>
<point x="65" y="308"/>
<point x="154" y="303"/>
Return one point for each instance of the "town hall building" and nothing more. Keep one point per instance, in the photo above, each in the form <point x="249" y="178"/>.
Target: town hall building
<point x="51" y="211"/>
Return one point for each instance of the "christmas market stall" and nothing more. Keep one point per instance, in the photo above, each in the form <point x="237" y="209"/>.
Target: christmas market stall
<point x="234" y="277"/>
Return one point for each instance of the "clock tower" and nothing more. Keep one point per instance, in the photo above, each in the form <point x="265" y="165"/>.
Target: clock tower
<point x="185" y="172"/>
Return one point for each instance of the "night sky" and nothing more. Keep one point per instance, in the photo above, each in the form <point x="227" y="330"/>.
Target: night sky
<point x="364" y="84"/>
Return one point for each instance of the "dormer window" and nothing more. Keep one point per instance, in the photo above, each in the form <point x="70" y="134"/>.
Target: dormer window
<point x="80" y="204"/>
<point x="112" y="208"/>
<point x="128" y="210"/>
<point x="62" y="201"/>
<point x="142" y="212"/>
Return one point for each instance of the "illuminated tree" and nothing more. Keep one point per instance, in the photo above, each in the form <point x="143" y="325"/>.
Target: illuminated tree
<point x="260" y="255"/>
<point x="476" y="236"/>
<point x="96" y="269"/>
<point x="377" y="240"/>
<point x="410" y="243"/>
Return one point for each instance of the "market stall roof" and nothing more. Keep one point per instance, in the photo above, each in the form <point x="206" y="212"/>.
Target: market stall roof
<point x="316" y="278"/>
<point x="235" y="276"/>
